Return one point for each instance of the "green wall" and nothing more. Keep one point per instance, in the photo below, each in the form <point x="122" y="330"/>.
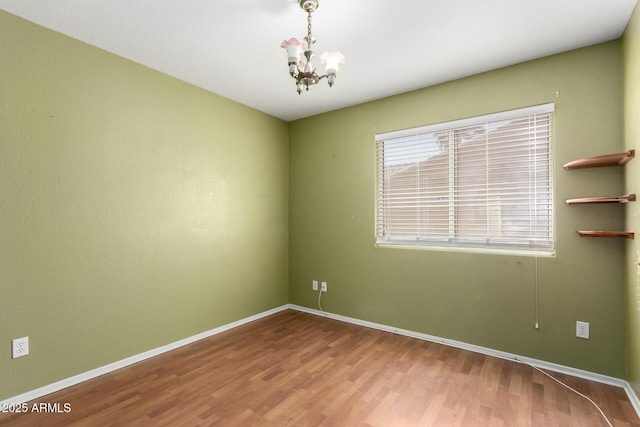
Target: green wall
<point x="631" y="73"/>
<point x="136" y="210"/>
<point x="483" y="299"/>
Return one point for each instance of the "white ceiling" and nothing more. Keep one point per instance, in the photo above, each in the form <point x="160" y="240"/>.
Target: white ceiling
<point x="232" y="47"/>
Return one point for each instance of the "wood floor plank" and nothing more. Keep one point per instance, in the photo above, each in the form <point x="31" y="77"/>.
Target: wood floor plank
<point x="296" y="369"/>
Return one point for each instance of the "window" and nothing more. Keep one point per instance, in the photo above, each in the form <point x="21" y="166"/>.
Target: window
<point x="483" y="182"/>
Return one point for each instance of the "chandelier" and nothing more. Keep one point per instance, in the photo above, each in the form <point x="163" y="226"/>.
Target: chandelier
<point x="303" y="71"/>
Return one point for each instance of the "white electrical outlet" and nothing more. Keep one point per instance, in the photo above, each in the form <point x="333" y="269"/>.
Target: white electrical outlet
<point x="582" y="330"/>
<point x="314" y="285"/>
<point x="19" y="347"/>
<point x="323" y="288"/>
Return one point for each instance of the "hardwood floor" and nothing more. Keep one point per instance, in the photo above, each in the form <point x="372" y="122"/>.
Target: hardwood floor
<point x="297" y="369"/>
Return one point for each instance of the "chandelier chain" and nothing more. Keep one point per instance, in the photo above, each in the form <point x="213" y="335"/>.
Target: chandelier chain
<point x="309" y="37"/>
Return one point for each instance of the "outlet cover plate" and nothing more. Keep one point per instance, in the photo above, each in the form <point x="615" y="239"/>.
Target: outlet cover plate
<point x="582" y="329"/>
<point x="323" y="287"/>
<point x="19" y="347"/>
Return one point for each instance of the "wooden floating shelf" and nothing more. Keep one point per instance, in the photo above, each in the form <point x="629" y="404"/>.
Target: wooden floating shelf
<point x="619" y="234"/>
<point x="619" y="199"/>
<point x="617" y="159"/>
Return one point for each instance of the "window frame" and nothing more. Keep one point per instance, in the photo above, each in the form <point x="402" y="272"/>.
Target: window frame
<point x="545" y="247"/>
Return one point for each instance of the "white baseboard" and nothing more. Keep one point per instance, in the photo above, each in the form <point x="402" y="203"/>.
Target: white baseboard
<point x="76" y="379"/>
<point x="633" y="397"/>
<point x="567" y="370"/>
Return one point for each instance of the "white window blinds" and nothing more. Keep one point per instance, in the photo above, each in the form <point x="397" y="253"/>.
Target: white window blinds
<point x="483" y="182"/>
